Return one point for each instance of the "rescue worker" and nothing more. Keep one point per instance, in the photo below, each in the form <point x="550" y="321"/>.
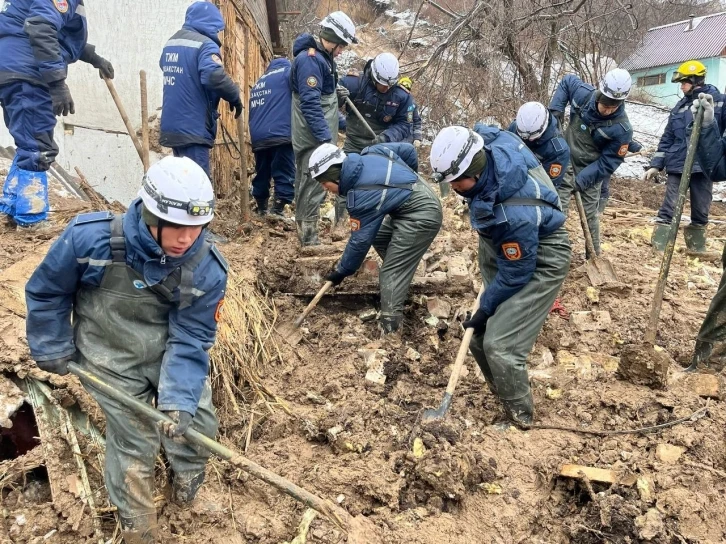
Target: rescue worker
<point x="194" y="83"/>
<point x="416" y="135"/>
<point x="540" y="131"/>
<point x="271" y="135"/>
<point x="524" y="250"/>
<point x="391" y="208"/>
<point x="711" y="156"/>
<point x="38" y="40"/>
<point x="135" y="299"/>
<point x="598" y="134"/>
<point x="633" y="147"/>
<point x="314" y="82"/>
<point x="671" y="155"/>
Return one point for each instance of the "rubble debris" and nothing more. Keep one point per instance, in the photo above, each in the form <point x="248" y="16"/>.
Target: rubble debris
<point x="668" y="453"/>
<point x="368" y="315"/>
<point x="11" y="399"/>
<point x="645" y="364"/>
<point x="591" y="321"/>
<point x="438" y="307"/>
<point x="704" y="385"/>
<point x="602" y="475"/>
<point x="457" y="270"/>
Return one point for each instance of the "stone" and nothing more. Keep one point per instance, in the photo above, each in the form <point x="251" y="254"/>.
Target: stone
<point x="704" y="385"/>
<point x="438" y="307"/>
<point x="368" y="315"/>
<point x="432" y="321"/>
<point x="645" y="364"/>
<point x="650" y="525"/>
<point x="457" y="268"/>
<point x="668" y="453"/>
<point x="412" y="355"/>
<point x="590" y="321"/>
<point x="370" y="267"/>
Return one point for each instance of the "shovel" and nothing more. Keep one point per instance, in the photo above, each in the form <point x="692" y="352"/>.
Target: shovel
<point x="349" y="103"/>
<point x="438" y="414"/>
<point x="599" y="269"/>
<point x="353" y="526"/>
<point x="290" y="331"/>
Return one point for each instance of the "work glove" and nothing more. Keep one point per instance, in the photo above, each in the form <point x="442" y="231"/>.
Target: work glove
<point x="478" y="322"/>
<point x="56" y="366"/>
<point x="237" y="107"/>
<point x="105" y="68"/>
<point x="707" y="105"/>
<point x="651" y="174"/>
<point x="417" y="143"/>
<point x="61" y="97"/>
<point x="380" y="139"/>
<point x="336" y="277"/>
<point x="176" y="430"/>
<point x="559" y="115"/>
<point x="342" y="93"/>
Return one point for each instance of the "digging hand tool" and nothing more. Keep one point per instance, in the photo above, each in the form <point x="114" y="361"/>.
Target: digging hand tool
<point x="124" y="117"/>
<point x="289" y="331"/>
<point x="360" y="117"/>
<point x="599" y="270"/>
<point x="439" y="413"/>
<point x="244" y="178"/>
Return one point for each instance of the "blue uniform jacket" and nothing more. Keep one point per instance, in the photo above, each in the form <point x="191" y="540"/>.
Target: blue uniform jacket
<point x="383" y="166"/>
<point x="271" y="106"/>
<point x="40" y="38"/>
<point x="609" y="133"/>
<point x="711" y="151"/>
<point x="395" y="108"/>
<point x="194" y="79"/>
<point x="77" y="259"/>
<point x="313" y="74"/>
<point x="515" y="230"/>
<point x="673" y="145"/>
<point x="551" y="150"/>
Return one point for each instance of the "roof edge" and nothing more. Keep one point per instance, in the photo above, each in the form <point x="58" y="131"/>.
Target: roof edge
<point x="686" y="20"/>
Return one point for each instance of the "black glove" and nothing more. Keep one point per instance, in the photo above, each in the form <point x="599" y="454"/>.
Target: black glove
<point x="380" y="139"/>
<point x="56" y="366"/>
<point x="105" y="68"/>
<point x="182" y="420"/>
<point x="336" y="277"/>
<point x="478" y="322"/>
<point x="342" y="93"/>
<point x="60" y="94"/>
<point x="237" y="107"/>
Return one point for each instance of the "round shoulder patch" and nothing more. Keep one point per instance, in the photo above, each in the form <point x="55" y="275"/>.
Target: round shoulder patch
<point x="312" y="81"/>
<point x="216" y="58"/>
<point x="61" y="5"/>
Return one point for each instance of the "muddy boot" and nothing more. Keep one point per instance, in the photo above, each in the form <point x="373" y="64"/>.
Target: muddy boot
<point x="601" y="205"/>
<point x="390" y="323"/>
<point x="660" y="236"/>
<point x="261" y="207"/>
<point x="695" y="236"/>
<point x="183" y="490"/>
<point x="520" y="410"/>
<point x="139" y="530"/>
<point x="701" y="353"/>
<point x="307" y="233"/>
<point x="278" y="208"/>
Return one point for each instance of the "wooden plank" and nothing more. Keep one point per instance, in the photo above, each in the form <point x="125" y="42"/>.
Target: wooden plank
<point x="602" y="475"/>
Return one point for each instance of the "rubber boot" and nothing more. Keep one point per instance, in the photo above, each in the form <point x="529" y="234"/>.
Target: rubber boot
<point x="307" y="233"/>
<point x="701" y="353"/>
<point x="261" y="207"/>
<point x="278" y="208"/>
<point x="184" y="490"/>
<point x="139" y="530"/>
<point x="659" y="239"/>
<point x="695" y="236"/>
<point x="390" y="323"/>
<point x="520" y="410"/>
<point x="601" y="205"/>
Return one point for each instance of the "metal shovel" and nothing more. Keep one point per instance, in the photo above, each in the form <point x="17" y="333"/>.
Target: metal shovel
<point x="290" y="331"/>
<point x="437" y="414"/>
<point x="599" y="269"/>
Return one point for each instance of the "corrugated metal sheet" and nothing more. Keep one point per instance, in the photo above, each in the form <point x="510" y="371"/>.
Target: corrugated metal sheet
<point x="671" y="44"/>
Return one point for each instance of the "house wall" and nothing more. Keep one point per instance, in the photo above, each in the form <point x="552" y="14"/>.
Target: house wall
<point x="668" y="94"/>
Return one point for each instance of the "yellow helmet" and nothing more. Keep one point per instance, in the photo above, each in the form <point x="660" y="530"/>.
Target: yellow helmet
<point x="405" y="82"/>
<point x="687" y="70"/>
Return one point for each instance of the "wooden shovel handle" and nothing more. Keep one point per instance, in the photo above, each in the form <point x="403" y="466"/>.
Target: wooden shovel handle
<point x="589" y="245"/>
<point x="362" y="119"/>
<point x="124" y="117"/>
<point x="313" y="303"/>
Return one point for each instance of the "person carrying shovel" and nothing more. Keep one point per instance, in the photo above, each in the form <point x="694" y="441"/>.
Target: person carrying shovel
<point x="390" y="208"/>
<point x="135" y="300"/>
<point x="524" y="250"/>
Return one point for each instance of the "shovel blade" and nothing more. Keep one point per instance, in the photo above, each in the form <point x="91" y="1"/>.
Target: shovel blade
<point x="439" y="413"/>
<point x="289" y="333"/>
<point x="600" y="271"/>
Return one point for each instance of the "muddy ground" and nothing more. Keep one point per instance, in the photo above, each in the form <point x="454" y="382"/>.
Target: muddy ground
<point x="469" y="479"/>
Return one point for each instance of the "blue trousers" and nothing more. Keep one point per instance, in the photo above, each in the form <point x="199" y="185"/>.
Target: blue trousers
<point x="276" y="163"/>
<point x="198" y="153"/>
<point x="28" y="116"/>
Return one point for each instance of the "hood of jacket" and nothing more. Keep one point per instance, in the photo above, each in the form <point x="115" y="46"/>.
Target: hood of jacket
<point x="205" y="18"/>
<point x="277" y="64"/>
<point x="303" y="42"/>
<point x="145" y="252"/>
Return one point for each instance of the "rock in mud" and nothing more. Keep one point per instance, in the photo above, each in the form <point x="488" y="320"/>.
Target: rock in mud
<point x="644" y="364"/>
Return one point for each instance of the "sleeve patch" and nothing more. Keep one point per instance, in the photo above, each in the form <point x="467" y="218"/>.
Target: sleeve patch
<point x="61" y="5"/>
<point x="555" y="170"/>
<point x="217" y="59"/>
<point x="354" y="225"/>
<point x="312" y="81"/>
<point x="623" y="150"/>
<point x="218" y="311"/>
<point x="409" y="116"/>
<point x="311" y="52"/>
<point x="512" y="251"/>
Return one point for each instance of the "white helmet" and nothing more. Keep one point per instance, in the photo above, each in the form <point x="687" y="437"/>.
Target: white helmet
<point x="342" y="25"/>
<point x="616" y="84"/>
<point x="177" y="190"/>
<point x="532" y="120"/>
<point x="323" y="158"/>
<point x="452" y="152"/>
<point x="384" y="69"/>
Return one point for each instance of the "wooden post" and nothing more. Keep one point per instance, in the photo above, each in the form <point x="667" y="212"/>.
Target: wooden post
<point x="124" y="117"/>
<point x="241" y="130"/>
<point x="144" y="121"/>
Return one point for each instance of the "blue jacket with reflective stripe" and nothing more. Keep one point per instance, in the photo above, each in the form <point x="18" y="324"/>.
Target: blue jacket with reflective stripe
<point x="313" y="74"/>
<point x="711" y="151"/>
<point x="551" y="150"/>
<point x="78" y="260"/>
<point x="609" y="133"/>
<point x="389" y="165"/>
<point x="673" y="145"/>
<point x="271" y="106"/>
<point x="515" y="230"/>
<point x="40" y="38"/>
<point x="194" y="79"/>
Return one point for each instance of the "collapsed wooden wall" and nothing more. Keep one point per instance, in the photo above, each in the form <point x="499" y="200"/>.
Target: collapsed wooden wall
<point x="246" y="52"/>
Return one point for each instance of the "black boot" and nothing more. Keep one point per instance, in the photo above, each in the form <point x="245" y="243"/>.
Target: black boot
<point x="520" y="410"/>
<point x="390" y="323"/>
<point x="278" y="208"/>
<point x="185" y="489"/>
<point x="261" y="207"/>
<point x="307" y="233"/>
<point x="701" y="353"/>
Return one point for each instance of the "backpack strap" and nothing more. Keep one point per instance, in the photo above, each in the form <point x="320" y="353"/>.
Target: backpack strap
<point x="514" y="201"/>
<point x="183" y="278"/>
<point x="117" y="241"/>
